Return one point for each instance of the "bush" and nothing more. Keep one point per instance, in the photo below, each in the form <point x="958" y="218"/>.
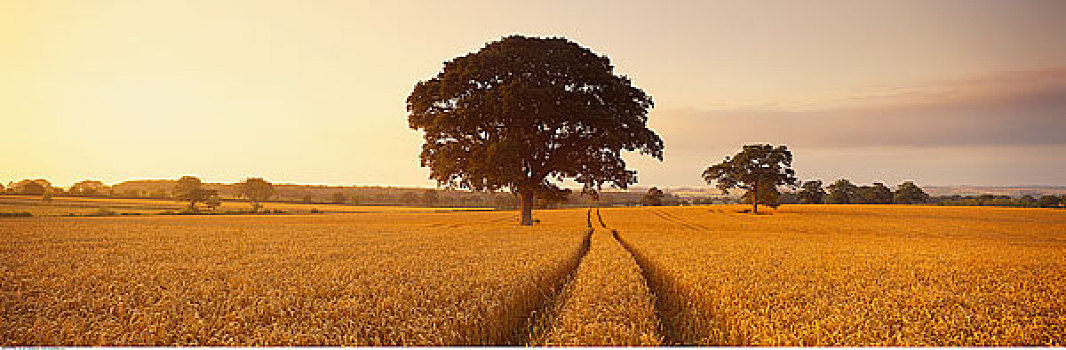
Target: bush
<point x="104" y="211"/>
<point x="315" y="211"/>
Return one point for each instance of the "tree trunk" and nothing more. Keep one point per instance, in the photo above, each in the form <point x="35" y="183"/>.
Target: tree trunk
<point x="527" y="207"/>
<point x="755" y="198"/>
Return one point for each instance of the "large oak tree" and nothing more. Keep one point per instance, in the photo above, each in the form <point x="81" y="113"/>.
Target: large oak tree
<point x="524" y="113"/>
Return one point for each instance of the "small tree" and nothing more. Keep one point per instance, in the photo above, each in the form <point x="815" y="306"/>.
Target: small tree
<point x="256" y="190"/>
<point x="754" y="167"/>
<point x="841" y="192"/>
<point x="909" y="193"/>
<point x="654" y="197"/>
<point x="88" y="188"/>
<point x="811" y="192"/>
<point x="190" y="188"/>
<point x="32" y="187"/>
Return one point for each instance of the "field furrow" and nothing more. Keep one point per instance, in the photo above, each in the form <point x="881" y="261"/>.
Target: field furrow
<point x="607" y="303"/>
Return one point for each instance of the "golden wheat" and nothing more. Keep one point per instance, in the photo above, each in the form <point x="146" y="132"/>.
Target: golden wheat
<point x="856" y="275"/>
<point x="362" y="279"/>
<point x="806" y="275"/>
<point x="607" y="302"/>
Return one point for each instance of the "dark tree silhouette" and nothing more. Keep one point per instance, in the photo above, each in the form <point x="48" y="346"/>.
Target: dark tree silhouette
<point x="32" y="187"/>
<point x="754" y="167"/>
<point x="811" y="192"/>
<point x="87" y="188"/>
<point x="909" y="193"/>
<point x="841" y="192"/>
<point x="524" y="113"/>
<point x="190" y="188"/>
<point x="768" y="196"/>
<point x="1048" y="201"/>
<point x="878" y="193"/>
<point x="256" y="190"/>
<point x="654" y="197"/>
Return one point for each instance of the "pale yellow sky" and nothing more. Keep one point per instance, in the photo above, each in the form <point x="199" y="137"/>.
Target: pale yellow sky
<point x="313" y="92"/>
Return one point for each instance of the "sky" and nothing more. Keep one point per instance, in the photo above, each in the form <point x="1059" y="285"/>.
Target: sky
<point x="939" y="92"/>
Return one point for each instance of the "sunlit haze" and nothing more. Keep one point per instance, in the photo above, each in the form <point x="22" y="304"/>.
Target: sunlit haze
<point x="939" y="92"/>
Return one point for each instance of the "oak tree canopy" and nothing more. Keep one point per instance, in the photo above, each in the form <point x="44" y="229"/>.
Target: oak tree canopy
<point x="524" y="113"/>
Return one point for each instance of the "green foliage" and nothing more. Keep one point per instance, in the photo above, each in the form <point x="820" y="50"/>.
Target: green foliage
<point x="88" y="188"/>
<point x="841" y="192"/>
<point x="190" y="188"/>
<point x="876" y="194"/>
<point x="256" y="190"/>
<point x="754" y="167"/>
<point x="909" y="193"/>
<point x="768" y="196"/>
<point x="811" y="192"/>
<point x="654" y="197"/>
<point x="32" y="187"/>
<point x="1048" y="201"/>
<point x="523" y="113"/>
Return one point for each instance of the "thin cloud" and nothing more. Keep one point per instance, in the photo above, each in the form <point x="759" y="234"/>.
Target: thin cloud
<point x="1013" y="108"/>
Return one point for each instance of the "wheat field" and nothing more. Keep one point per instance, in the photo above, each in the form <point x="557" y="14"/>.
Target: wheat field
<point x="707" y="275"/>
<point x="856" y="275"/>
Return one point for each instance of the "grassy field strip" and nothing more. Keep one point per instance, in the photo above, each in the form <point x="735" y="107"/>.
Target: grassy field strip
<point x="606" y="303"/>
<point x="922" y="276"/>
<point x="278" y="280"/>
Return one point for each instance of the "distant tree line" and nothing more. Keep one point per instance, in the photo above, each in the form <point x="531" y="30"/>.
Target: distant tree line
<point x="844" y="192"/>
<point x="257" y="191"/>
<point x="1026" y="201"/>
